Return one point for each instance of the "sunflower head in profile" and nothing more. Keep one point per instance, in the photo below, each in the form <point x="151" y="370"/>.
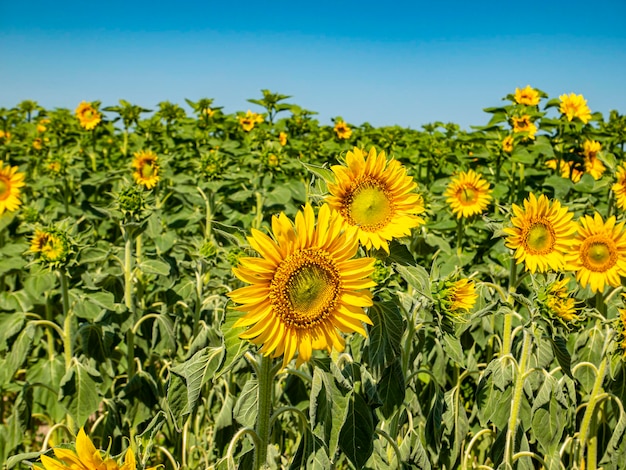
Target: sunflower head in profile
<point x="570" y="170"/>
<point x="342" y="130"/>
<point x="598" y="252"/>
<point x="575" y="106"/>
<point x="468" y="194"/>
<point x="620" y="327"/>
<point x="375" y="198"/>
<point x="10" y="183"/>
<point x="541" y="233"/>
<point x="454" y="299"/>
<point x="527" y="96"/>
<point x="305" y="288"/>
<point x="507" y="144"/>
<point x="557" y="303"/>
<point x="619" y="187"/>
<point x="524" y="124"/>
<point x="249" y="120"/>
<point x="145" y="163"/>
<point x="88" y="116"/>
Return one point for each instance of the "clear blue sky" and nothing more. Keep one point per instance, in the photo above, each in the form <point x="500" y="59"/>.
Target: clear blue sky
<point x="406" y="63"/>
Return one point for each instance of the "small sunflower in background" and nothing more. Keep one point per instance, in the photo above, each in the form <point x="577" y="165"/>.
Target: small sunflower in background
<point x="249" y="120"/>
<point x="11" y="181"/>
<point x="507" y="144"/>
<point x="342" y="130"/>
<point x="527" y="96"/>
<point x="541" y="234"/>
<point x="282" y="138"/>
<point x="619" y="187"/>
<point x="524" y="124"/>
<point x="593" y="165"/>
<point x="305" y="288"/>
<point x="569" y="170"/>
<point x="88" y="116"/>
<point x="468" y="194"/>
<point x="52" y="247"/>
<point x="575" y="106"/>
<point x="375" y="198"/>
<point x="559" y="304"/>
<point x="145" y="163"/>
<point x="598" y="253"/>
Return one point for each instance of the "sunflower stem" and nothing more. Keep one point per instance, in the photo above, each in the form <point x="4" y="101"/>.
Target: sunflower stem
<point x="516" y="401"/>
<point x="600" y="304"/>
<point x="129" y="301"/>
<point x="508" y="317"/>
<point x="265" y="379"/>
<point x="459" y="234"/>
<point x="68" y="332"/>
<point x="585" y="425"/>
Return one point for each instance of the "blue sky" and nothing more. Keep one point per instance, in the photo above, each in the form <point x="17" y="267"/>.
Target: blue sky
<point x="381" y="62"/>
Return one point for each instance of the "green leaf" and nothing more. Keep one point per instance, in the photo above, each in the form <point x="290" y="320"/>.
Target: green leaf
<point x="399" y="253"/>
<point x="417" y="277"/>
<point x="391" y="388"/>
<point x="563" y="357"/>
<point x="154" y="266"/>
<point x="79" y="394"/>
<point x="245" y="411"/>
<point x="356" y="439"/>
<point x="234" y="347"/>
<point x="324" y="173"/>
<point x="17" y="354"/>
<point x="452" y="347"/>
<point x="197" y="371"/>
<point x="385" y="335"/>
<point x="10" y="325"/>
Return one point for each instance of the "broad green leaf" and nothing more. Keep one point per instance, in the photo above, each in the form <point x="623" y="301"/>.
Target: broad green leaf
<point x="79" y="393"/>
<point x="385" y="335"/>
<point x="246" y="409"/>
<point x="234" y="347"/>
<point x="417" y="277"/>
<point x="324" y="173"/>
<point x="10" y="325"/>
<point x="357" y="432"/>
<point x="17" y="354"/>
<point x="391" y="388"/>
<point x="559" y="347"/>
<point x="452" y="346"/>
<point x="154" y="266"/>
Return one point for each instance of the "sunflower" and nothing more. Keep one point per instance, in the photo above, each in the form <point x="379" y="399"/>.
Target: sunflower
<point x="374" y="197"/>
<point x="52" y="246"/>
<point x="541" y="234"/>
<point x="507" y="144"/>
<point x="468" y="194"/>
<point x="619" y="187"/>
<point x="342" y="130"/>
<point x="462" y="295"/>
<point x="305" y="286"/>
<point x="87" y="115"/>
<point x="575" y="106"/>
<point x="598" y="253"/>
<point x="621" y="331"/>
<point x="528" y="96"/>
<point x="282" y="138"/>
<point x="248" y="121"/>
<point x="10" y="183"/>
<point x="524" y="124"/>
<point x="42" y="125"/>
<point x="146" y="168"/>
<point x="87" y="457"/>
<point x="559" y="303"/>
<point x="568" y="170"/>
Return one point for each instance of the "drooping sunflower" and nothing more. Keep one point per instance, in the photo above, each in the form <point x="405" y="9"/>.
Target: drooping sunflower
<point x="282" y="138"/>
<point x="145" y="163"/>
<point x="10" y="183"/>
<point x="524" y="124"/>
<point x="375" y="198"/>
<point x="619" y="187"/>
<point x="621" y="330"/>
<point x="528" y="96"/>
<point x="305" y="288"/>
<point x="568" y="170"/>
<point x="342" y="130"/>
<point x="250" y="120"/>
<point x="598" y="252"/>
<point x="575" y="106"/>
<point x="462" y="295"/>
<point x="541" y="234"/>
<point x="468" y="194"/>
<point x="87" y="115"/>
<point x="559" y="303"/>
<point x="507" y="144"/>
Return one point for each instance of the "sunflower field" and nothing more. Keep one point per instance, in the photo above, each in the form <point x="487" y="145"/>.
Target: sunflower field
<point x="196" y="289"/>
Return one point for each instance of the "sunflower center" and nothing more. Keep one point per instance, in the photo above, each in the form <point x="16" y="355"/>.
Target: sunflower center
<point x="147" y="170"/>
<point x="5" y="188"/>
<point x="305" y="288"/>
<point x="598" y="254"/>
<point x="540" y="238"/>
<point x="370" y="206"/>
<point x="467" y="195"/>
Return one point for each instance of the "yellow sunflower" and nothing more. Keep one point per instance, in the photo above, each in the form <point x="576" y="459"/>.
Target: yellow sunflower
<point x="250" y="119"/>
<point x="282" y="138"/>
<point x="375" y="198"/>
<point x="598" y="253"/>
<point x="145" y="163"/>
<point x="86" y="457"/>
<point x="528" y="96"/>
<point x="507" y="144"/>
<point x="559" y="303"/>
<point x="5" y="136"/>
<point x="524" y="124"/>
<point x="619" y="187"/>
<point x="305" y="286"/>
<point x="10" y="183"/>
<point x="567" y="169"/>
<point x="575" y="106"/>
<point x="541" y="234"/>
<point x="342" y="130"/>
<point x="42" y="125"/>
<point x="462" y="295"/>
<point x="51" y="245"/>
<point x="621" y="330"/>
<point x="87" y="115"/>
<point x="468" y="194"/>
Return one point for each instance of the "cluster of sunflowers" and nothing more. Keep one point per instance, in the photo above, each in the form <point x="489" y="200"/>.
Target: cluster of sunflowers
<point x="292" y="236"/>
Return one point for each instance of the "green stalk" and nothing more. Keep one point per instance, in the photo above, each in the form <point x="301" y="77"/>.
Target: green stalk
<point x="508" y="317"/>
<point x="68" y="331"/>
<point x="266" y="379"/>
<point x="459" y="234"/>
<point x="516" y="401"/>
<point x="129" y="301"/>
<point x="587" y="418"/>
